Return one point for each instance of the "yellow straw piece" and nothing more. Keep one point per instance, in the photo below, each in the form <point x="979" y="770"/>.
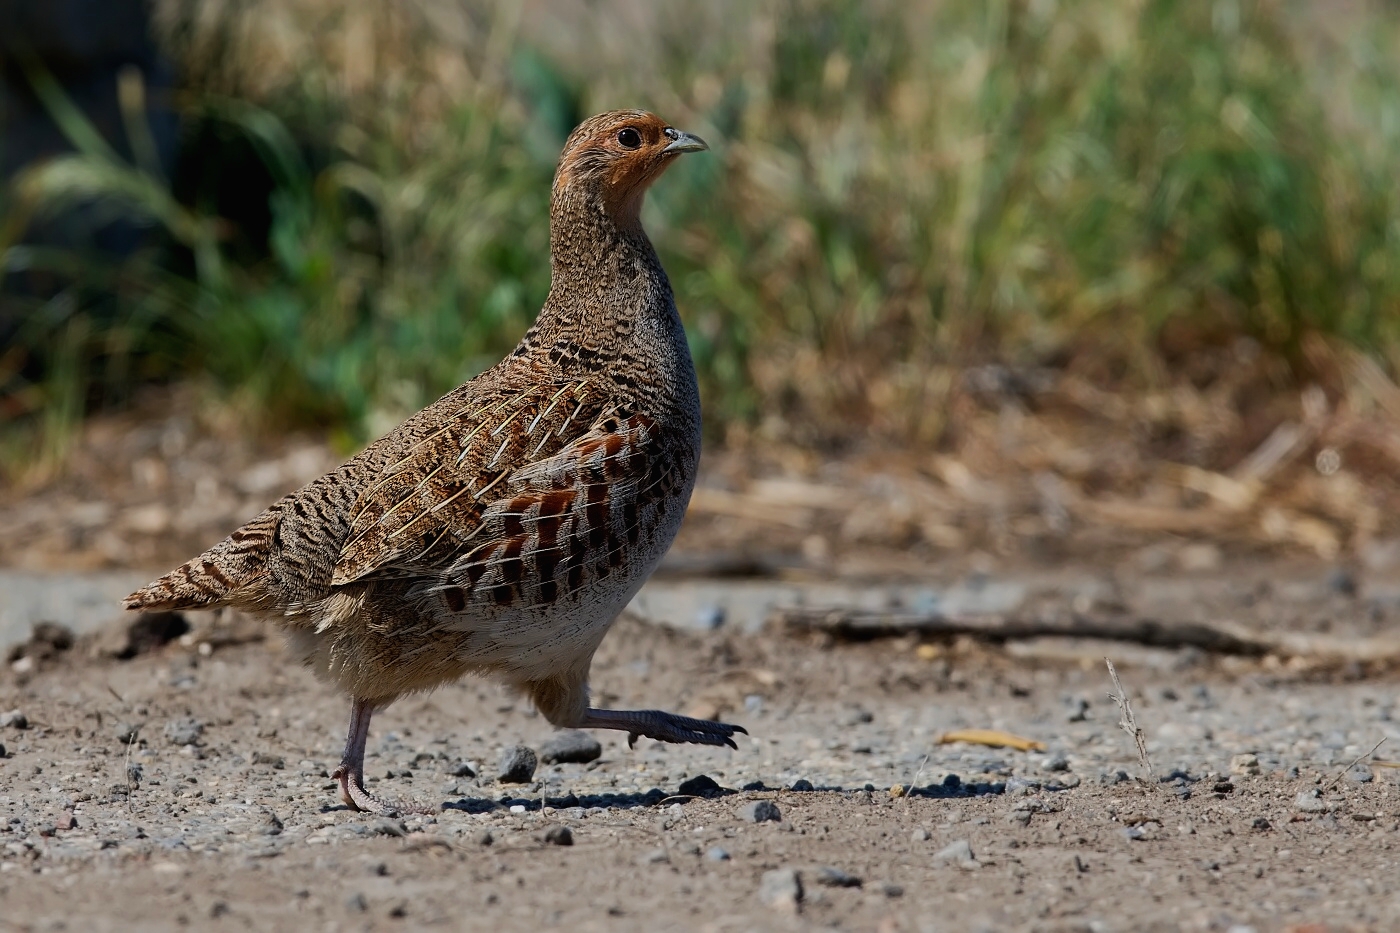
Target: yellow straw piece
<point x="992" y="737"/>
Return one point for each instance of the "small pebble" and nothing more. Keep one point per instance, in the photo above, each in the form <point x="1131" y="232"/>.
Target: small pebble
<point x="958" y="854"/>
<point x="836" y="878"/>
<point x="1360" y="775"/>
<point x="1309" y="801"/>
<point x="654" y="856"/>
<point x="484" y="838"/>
<point x="781" y="889"/>
<point x="716" y="854"/>
<point x="126" y="732"/>
<point x="67" y="821"/>
<point x="14" y="719"/>
<point x="386" y="827"/>
<point x="3" y="752"/>
<point x="709" y="617"/>
<point x="760" y="811"/>
<point x="517" y="765"/>
<point x="570" y="746"/>
<point x="183" y="731"/>
<point x="356" y="903"/>
<point x="920" y="835"/>
<point x="889" y="889"/>
<point x="754" y="785"/>
<point x="1261" y="825"/>
<point x="559" y="836"/>
<point x="702" y="785"/>
<point x="802" y="785"/>
<point x="463" y="769"/>
<point x="1055" y="763"/>
<point x="517" y="808"/>
<point x="1245" y="764"/>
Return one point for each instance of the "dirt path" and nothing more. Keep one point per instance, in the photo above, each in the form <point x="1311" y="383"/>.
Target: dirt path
<point x="221" y="816"/>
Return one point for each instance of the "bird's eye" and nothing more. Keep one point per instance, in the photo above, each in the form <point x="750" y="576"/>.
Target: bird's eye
<point x="629" y="138"/>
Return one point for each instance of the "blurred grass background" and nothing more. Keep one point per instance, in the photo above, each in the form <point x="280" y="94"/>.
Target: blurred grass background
<point x="1139" y="193"/>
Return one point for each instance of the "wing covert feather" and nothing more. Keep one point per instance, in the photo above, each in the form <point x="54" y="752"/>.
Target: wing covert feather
<point x="425" y="509"/>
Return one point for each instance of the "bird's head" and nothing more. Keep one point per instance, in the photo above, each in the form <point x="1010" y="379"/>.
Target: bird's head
<point x="612" y="158"/>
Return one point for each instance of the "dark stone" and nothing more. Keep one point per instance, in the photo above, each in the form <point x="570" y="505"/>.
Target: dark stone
<point x="150" y="631"/>
<point x="836" y="878"/>
<point x="760" y="811"/>
<point x="184" y="731"/>
<point x="702" y="785"/>
<point x="517" y="765"/>
<point x="571" y="745"/>
<point x="802" y="784"/>
<point x="559" y="836"/>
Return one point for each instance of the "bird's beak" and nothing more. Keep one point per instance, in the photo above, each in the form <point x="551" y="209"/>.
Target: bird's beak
<point x="683" y="142"/>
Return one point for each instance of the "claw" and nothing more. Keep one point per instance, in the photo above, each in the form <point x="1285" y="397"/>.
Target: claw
<point x="663" y="727"/>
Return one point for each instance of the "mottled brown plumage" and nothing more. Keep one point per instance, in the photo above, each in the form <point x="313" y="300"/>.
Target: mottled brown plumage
<point x="503" y="528"/>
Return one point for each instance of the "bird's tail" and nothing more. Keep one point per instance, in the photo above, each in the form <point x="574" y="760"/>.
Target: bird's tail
<point x="214" y="577"/>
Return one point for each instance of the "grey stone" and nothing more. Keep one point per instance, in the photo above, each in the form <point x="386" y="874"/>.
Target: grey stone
<point x="781" y="889"/>
<point x="559" y="836"/>
<point x="126" y="732"/>
<point x="1360" y="775"/>
<point x="654" y="856"/>
<point x="14" y="719"/>
<point x="716" y="854"/>
<point x="830" y="877"/>
<point x="356" y="903"/>
<point x="1309" y="801"/>
<point x="920" y="835"/>
<point x="959" y="854"/>
<point x="463" y="769"/>
<point x="183" y="731"/>
<point x="889" y="889"/>
<point x="1055" y="763"/>
<point x="571" y="745"/>
<point x="760" y="811"/>
<point x="484" y="838"/>
<point x="1244" y="764"/>
<point x="389" y="827"/>
<point x="517" y="765"/>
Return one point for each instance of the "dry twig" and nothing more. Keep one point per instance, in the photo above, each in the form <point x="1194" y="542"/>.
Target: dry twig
<point x="1341" y="774"/>
<point x="1127" y="722"/>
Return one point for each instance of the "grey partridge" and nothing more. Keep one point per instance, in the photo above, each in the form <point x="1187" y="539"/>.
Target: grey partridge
<point x="500" y="530"/>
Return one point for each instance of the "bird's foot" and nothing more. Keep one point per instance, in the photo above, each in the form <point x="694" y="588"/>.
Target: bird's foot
<point x="663" y="726"/>
<point x="352" y="791"/>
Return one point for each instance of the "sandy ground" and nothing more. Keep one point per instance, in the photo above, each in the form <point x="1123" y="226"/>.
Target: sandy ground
<point x="220" y="814"/>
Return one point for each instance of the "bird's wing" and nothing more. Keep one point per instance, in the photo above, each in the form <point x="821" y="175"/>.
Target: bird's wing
<point x="425" y="509"/>
<point x="572" y="518"/>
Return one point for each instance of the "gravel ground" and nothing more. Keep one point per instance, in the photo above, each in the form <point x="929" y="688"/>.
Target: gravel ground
<point x="188" y="788"/>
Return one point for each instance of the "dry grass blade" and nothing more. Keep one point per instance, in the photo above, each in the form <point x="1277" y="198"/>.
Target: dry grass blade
<point x="1127" y="722"/>
<point x="1354" y="762"/>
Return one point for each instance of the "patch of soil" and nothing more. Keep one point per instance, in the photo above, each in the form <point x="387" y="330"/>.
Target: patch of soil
<point x="188" y="788"/>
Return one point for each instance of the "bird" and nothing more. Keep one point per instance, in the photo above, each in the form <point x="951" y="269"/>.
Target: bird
<point x="502" y="529"/>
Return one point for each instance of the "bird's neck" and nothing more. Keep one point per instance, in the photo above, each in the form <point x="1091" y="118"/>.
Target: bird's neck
<point x="608" y="293"/>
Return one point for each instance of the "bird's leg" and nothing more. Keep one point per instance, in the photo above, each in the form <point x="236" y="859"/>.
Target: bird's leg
<point x="351" y="773"/>
<point x="662" y="726"/>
